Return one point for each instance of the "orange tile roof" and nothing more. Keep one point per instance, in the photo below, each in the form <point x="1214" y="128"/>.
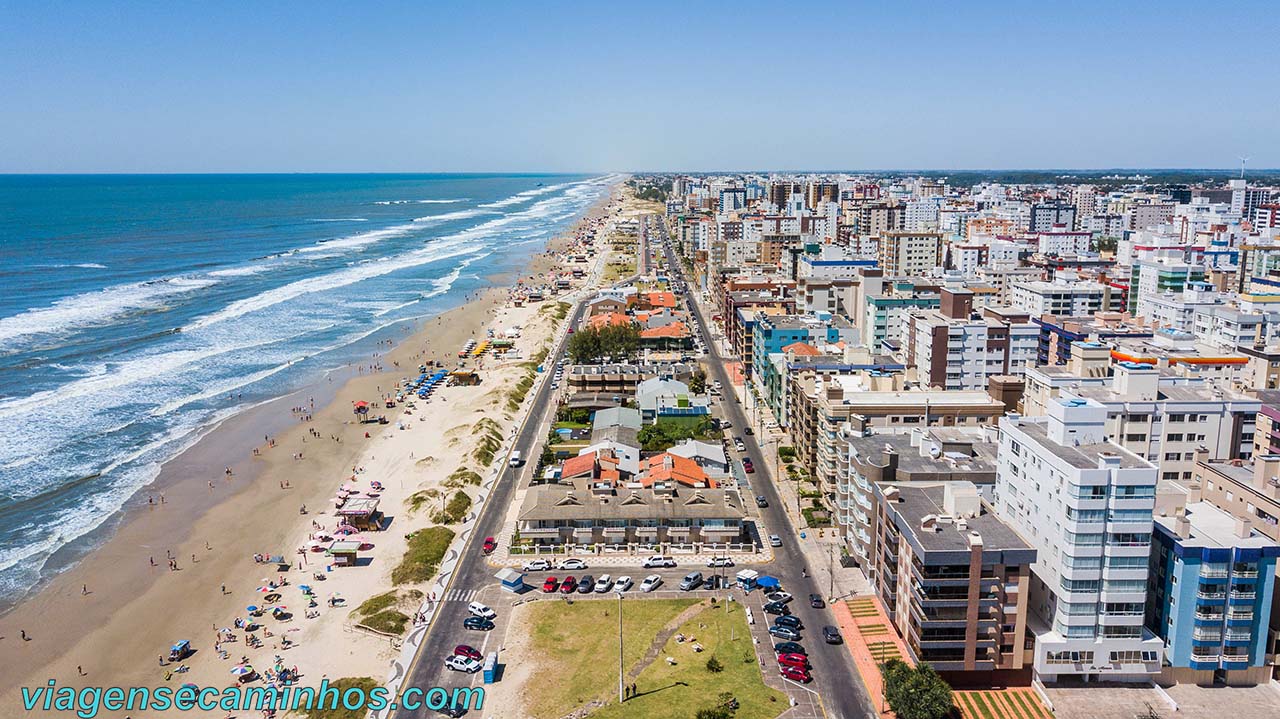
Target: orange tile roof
<point x="580" y="465"/>
<point x="667" y="467"/>
<point x="608" y="319"/>
<point x="660" y="299"/>
<point x="803" y="349"/>
<point x="675" y="329"/>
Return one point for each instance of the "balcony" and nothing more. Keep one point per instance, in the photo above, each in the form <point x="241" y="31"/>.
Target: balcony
<point x="1236" y="615"/>
<point x="1209" y="616"/>
<point x="1235" y="594"/>
<point x="1211" y="595"/>
<point x="1206" y="635"/>
<point x="1215" y="572"/>
<point x="1196" y="657"/>
<point x="1244" y="573"/>
<point x="1237" y="636"/>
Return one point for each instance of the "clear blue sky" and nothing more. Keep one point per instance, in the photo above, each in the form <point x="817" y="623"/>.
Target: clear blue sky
<point x="426" y="86"/>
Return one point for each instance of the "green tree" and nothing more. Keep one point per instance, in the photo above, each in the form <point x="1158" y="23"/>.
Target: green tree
<point x="698" y="382"/>
<point x="918" y="693"/>
<point x="714" y="666"/>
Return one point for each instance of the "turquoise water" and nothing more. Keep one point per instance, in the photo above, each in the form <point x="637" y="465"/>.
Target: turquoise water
<point x="139" y="310"/>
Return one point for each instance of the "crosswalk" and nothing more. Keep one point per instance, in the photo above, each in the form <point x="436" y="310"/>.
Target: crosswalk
<point x="461" y="595"/>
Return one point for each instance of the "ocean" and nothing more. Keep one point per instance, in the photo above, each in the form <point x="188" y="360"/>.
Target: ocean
<point x="139" y="311"/>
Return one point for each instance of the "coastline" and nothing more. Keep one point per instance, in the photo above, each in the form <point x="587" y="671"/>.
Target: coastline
<point x="112" y="634"/>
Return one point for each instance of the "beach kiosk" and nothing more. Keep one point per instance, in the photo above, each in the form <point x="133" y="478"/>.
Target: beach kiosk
<point x="747" y="579"/>
<point x="512" y="581"/>
<point x="361" y="512"/>
<point x="491" y="668"/>
<point x="344" y="552"/>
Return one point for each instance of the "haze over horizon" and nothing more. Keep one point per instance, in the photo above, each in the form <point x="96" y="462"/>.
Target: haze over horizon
<point x="401" y="87"/>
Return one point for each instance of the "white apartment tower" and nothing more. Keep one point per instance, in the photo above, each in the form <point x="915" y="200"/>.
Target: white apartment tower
<point x="1086" y="505"/>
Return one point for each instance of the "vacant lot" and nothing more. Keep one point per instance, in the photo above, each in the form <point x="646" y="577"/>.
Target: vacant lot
<point x="573" y="648"/>
<point x="682" y="688"/>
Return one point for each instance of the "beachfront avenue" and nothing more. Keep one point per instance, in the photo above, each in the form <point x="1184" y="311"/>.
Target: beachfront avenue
<point x="87" y="702"/>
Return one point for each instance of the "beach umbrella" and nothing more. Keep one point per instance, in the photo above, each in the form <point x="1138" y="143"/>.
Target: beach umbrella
<point x="264" y="590"/>
<point x="345" y="529"/>
<point x="251" y="608"/>
<point x="241" y="670"/>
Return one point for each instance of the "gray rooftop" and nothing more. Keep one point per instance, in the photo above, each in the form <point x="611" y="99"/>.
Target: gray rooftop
<point x="1083" y="456"/>
<point x="916" y="501"/>
<point x="1212" y="527"/>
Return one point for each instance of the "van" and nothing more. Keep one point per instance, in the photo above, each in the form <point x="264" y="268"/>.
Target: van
<point x="515" y="461"/>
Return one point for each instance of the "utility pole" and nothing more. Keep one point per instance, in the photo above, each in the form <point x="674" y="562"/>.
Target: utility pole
<point x="621" y="686"/>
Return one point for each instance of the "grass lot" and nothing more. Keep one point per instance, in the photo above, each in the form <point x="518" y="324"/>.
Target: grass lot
<point x="618" y="270"/>
<point x="578" y="647"/>
<point x="426" y="549"/>
<point x="690" y="685"/>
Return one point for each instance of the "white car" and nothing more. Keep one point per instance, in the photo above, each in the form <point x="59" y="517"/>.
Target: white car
<point x="720" y="562"/>
<point x="481" y="610"/>
<point x="650" y="583"/>
<point x="604" y="584"/>
<point x="782" y="597"/>
<point x="537" y="565"/>
<point x="775" y="540"/>
<point x="623" y="584"/>
<point x="659" y="560"/>
<point x="462" y="664"/>
<point x="573" y="563"/>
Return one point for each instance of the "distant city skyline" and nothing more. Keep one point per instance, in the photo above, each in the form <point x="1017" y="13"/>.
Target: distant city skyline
<point x="400" y="87"/>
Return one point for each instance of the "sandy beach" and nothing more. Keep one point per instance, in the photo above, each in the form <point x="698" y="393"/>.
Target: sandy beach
<point x="108" y="619"/>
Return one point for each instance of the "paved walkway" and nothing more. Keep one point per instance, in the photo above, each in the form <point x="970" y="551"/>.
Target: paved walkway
<point x="871" y="640"/>
<point x="1007" y="703"/>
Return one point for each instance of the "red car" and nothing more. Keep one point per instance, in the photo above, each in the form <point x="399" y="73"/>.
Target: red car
<point x="490" y="544"/>
<point x="799" y="661"/>
<point x="464" y="650"/>
<point x="796" y="674"/>
<point x="551" y="585"/>
<point x="569" y="585"/>
<point x="748" y="468"/>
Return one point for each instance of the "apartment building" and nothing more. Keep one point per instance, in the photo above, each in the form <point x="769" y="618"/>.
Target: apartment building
<point x="1210" y="595"/>
<point x="910" y="254"/>
<point x="1245" y="489"/>
<point x="935" y="454"/>
<point x="954" y="578"/>
<point x="1060" y="298"/>
<point x="954" y="348"/>
<point x="1085" y="504"/>
<point x="1046" y="217"/>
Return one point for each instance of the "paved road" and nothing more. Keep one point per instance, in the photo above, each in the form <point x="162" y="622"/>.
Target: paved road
<point x="835" y="676"/>
<point x="473" y="574"/>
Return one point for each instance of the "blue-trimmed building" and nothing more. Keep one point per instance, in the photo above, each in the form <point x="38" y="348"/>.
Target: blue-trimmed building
<point x="1210" y="589"/>
<point x="1057" y="337"/>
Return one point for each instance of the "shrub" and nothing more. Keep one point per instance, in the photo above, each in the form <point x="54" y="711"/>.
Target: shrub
<point x="389" y="621"/>
<point x="714" y="666"/>
<point x="422" y="558"/>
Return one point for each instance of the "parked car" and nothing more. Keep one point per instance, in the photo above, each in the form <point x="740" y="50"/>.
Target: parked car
<point x="691" y="581"/>
<point x="536" y="565"/>
<point x="784" y="633"/>
<point x="760" y="501"/>
<point x="480" y="610"/>
<point x="795" y="674"/>
<point x="448" y="710"/>
<point x="490" y="544"/>
<point x="815" y="601"/>
<point x="775" y="540"/>
<point x="477" y="623"/>
<point x="659" y="560"/>
<point x="831" y="635"/>
<point x="776" y="608"/>
<point x="789" y="648"/>
<point x="569" y="585"/>
<point x="462" y="664"/>
<point x="789" y="620"/>
<point x="650" y="583"/>
<point x="780" y="597"/>
<point x="748" y="431"/>
<point x="587" y="584"/>
<point x="725" y="424"/>
<point x="748" y="467"/>
<point x="550" y="585"/>
<point x="604" y="584"/>
<point x="720" y="562"/>
<point x="468" y="651"/>
<point x="623" y="584"/>
<point x="794" y="660"/>
<point x="573" y="563"/>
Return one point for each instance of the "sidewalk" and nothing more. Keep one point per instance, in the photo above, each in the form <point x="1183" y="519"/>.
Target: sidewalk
<point x="871" y="640"/>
